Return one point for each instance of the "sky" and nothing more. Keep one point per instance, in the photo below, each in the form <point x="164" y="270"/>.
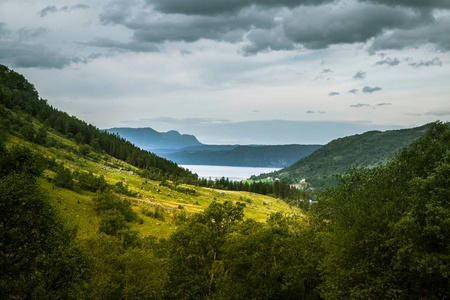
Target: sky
<point x="236" y="71"/>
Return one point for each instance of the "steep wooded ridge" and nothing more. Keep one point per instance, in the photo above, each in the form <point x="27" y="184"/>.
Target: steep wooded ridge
<point x="276" y="156"/>
<point x="369" y="149"/>
<point x="18" y="94"/>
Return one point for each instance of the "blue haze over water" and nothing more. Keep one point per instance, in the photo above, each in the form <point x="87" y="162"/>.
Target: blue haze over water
<point x="232" y="173"/>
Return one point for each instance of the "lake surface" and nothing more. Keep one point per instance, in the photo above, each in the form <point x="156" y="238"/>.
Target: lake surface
<point x="232" y="173"/>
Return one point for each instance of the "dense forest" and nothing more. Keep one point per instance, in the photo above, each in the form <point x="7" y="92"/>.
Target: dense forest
<point x="369" y="149"/>
<point x="381" y="233"/>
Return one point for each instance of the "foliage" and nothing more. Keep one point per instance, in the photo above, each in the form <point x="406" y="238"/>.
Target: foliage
<point x="38" y="259"/>
<point x="388" y="227"/>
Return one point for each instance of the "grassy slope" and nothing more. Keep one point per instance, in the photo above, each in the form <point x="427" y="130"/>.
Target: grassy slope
<point x="76" y="206"/>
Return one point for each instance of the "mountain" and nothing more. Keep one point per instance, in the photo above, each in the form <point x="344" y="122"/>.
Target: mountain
<point x="150" y="139"/>
<point x="277" y="156"/>
<point x="369" y="149"/>
<point x="187" y="150"/>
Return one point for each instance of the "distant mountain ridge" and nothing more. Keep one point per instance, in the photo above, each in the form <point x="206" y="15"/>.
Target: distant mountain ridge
<point x="276" y="156"/>
<point x="185" y="149"/>
<point x="150" y="139"/>
<point x="372" y="148"/>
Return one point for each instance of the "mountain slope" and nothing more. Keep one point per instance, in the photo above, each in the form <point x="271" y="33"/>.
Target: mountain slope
<point x="278" y="156"/>
<point x="370" y="149"/>
<point x="82" y="163"/>
<point x="150" y="139"/>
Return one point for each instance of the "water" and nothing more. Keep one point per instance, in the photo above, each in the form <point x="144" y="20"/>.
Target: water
<point x="232" y="173"/>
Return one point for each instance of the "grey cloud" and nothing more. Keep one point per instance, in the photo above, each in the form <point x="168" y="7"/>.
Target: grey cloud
<point x="33" y="56"/>
<point x="384" y="104"/>
<point x="319" y="27"/>
<point x="4" y="30"/>
<point x="266" y="40"/>
<point x="388" y="61"/>
<point x="133" y="46"/>
<point x="438" y="113"/>
<point x="215" y="7"/>
<point x="333" y="94"/>
<point x="353" y="91"/>
<point x="51" y="9"/>
<point x="318" y="112"/>
<point x="370" y="90"/>
<point x="269" y="25"/>
<point x="434" y="62"/>
<point x="434" y="33"/>
<point x="324" y="71"/>
<point x="359" y="105"/>
<point x="427" y="4"/>
<point x="359" y="75"/>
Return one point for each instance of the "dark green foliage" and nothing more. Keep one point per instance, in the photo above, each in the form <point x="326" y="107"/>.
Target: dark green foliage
<point x="389" y="227"/>
<point x="63" y="178"/>
<point x="105" y="202"/>
<point x="90" y="182"/>
<point x="123" y="273"/>
<point x="38" y="259"/>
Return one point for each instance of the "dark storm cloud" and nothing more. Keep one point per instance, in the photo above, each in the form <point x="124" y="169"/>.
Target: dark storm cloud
<point x="353" y="91"/>
<point x="51" y="9"/>
<point x="269" y="25"/>
<point x="359" y="75"/>
<point x="370" y="90"/>
<point x="215" y="7"/>
<point x="434" y="62"/>
<point x="320" y="27"/>
<point x="388" y="61"/>
<point x="333" y="94"/>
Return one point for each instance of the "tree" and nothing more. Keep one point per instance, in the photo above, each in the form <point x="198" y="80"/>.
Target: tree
<point x="388" y="227"/>
<point x="195" y="251"/>
<point x="38" y="257"/>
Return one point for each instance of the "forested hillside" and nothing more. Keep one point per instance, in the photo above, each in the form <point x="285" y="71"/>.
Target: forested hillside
<point x="277" y="156"/>
<point x="370" y="149"/>
<point x="78" y="223"/>
<point x="18" y="94"/>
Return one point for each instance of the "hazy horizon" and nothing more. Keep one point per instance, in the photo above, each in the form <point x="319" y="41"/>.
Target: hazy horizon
<point x="239" y="72"/>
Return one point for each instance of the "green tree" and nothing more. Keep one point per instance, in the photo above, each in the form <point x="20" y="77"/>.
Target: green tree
<point x="195" y="251"/>
<point x="388" y="227"/>
<point x="38" y="258"/>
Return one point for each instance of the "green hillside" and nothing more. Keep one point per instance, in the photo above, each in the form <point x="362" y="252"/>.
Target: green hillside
<point x="369" y="149"/>
<point x="78" y="222"/>
<point x="87" y="154"/>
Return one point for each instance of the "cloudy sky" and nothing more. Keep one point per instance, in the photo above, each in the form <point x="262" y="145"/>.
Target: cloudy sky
<point x="236" y="71"/>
